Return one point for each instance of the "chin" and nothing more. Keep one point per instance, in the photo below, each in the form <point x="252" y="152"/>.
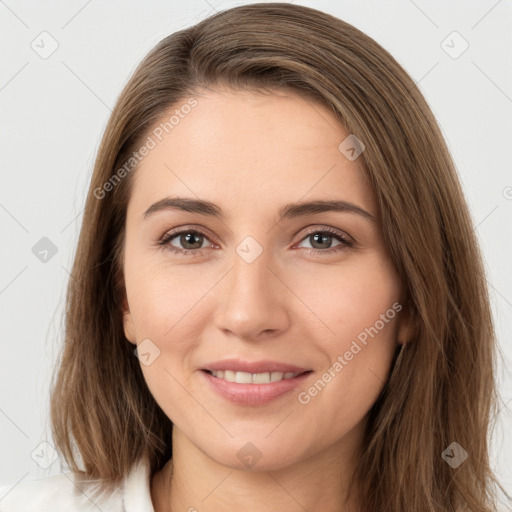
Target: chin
<point x="258" y="455"/>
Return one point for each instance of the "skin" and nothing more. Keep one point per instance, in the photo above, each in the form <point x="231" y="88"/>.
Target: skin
<point x="251" y="153"/>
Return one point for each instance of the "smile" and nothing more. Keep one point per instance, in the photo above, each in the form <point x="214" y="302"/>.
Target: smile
<point x="253" y="389"/>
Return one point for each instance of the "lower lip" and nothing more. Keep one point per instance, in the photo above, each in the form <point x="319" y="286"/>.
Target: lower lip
<point x="253" y="394"/>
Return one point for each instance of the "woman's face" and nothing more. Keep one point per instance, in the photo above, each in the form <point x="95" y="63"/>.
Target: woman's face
<point x="251" y="280"/>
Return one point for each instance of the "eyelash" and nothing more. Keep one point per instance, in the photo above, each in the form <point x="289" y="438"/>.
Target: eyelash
<point x="166" y="239"/>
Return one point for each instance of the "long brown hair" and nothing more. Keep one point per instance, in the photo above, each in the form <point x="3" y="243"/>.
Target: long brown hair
<point x="442" y="387"/>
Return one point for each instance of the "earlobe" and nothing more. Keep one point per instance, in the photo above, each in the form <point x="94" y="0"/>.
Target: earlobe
<point x="406" y="329"/>
<point x="128" y="327"/>
<point x="129" y="331"/>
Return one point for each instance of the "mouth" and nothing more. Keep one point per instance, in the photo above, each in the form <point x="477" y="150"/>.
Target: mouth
<point x="253" y="389"/>
<point x="253" y="383"/>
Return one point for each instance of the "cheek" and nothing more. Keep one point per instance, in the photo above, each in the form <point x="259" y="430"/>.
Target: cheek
<point x="163" y="300"/>
<point x="359" y="307"/>
<point x="164" y="306"/>
<point x="349" y="299"/>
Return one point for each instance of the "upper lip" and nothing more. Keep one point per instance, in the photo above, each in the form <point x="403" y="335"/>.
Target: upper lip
<point x="237" y="365"/>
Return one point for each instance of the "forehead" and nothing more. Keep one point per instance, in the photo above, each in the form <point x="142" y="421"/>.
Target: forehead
<point x="254" y="148"/>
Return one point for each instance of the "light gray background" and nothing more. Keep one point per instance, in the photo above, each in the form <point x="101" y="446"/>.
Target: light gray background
<point x="54" y="110"/>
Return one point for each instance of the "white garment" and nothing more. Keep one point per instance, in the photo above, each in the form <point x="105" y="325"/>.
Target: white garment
<point x="59" y="493"/>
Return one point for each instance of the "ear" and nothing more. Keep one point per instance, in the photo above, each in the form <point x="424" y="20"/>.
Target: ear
<point x="128" y="325"/>
<point x="406" y="326"/>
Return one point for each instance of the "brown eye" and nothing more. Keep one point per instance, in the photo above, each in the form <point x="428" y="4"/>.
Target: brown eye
<point x="321" y="241"/>
<point x="188" y="241"/>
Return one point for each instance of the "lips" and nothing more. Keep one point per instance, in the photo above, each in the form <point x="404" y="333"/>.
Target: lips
<point x="253" y="394"/>
<point x="253" y="383"/>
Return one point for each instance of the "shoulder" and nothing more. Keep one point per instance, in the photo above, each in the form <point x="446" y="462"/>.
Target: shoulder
<point x="62" y="493"/>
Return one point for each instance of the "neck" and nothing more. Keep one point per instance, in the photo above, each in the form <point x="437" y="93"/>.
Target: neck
<point x="193" y="482"/>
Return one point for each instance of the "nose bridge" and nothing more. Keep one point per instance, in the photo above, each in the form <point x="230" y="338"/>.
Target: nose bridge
<point x="250" y="275"/>
<point x="251" y="300"/>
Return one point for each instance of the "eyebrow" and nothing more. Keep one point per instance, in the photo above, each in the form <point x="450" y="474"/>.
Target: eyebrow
<point x="288" y="211"/>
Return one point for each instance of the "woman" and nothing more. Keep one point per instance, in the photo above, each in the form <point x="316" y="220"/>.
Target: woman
<point x="275" y="229"/>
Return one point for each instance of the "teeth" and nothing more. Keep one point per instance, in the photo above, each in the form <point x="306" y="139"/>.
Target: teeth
<point x="252" y="378"/>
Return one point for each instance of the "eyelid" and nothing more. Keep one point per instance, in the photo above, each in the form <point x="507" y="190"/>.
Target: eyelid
<point x="334" y="231"/>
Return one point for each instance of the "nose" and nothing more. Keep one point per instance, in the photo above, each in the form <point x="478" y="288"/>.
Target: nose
<point x="252" y="299"/>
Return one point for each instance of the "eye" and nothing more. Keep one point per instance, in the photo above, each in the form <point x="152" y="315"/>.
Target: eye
<point x="191" y="241"/>
<point x="320" y="238"/>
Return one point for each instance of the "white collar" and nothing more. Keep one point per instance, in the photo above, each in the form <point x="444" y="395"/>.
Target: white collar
<point x="136" y="488"/>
